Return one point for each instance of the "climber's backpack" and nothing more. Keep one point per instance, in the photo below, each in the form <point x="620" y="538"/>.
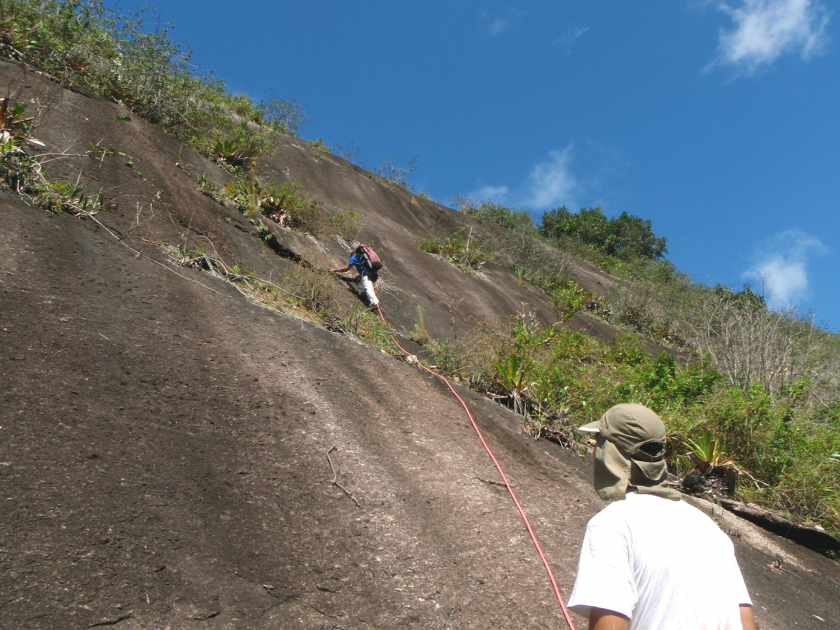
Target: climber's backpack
<point x="372" y="262"/>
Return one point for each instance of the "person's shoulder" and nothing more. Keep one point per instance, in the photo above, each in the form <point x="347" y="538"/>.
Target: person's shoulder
<point x="615" y="511"/>
<point x="634" y="507"/>
<point x="676" y="513"/>
<point x="700" y="517"/>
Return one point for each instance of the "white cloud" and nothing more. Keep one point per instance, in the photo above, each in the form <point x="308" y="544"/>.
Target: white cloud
<point x="551" y="183"/>
<point x="766" y="29"/>
<point x="571" y="36"/>
<point x="497" y="26"/>
<point x="781" y="265"/>
<point x="494" y="26"/>
<point x="491" y="193"/>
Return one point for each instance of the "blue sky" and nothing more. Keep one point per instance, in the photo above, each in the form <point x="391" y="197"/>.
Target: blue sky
<point x="719" y="122"/>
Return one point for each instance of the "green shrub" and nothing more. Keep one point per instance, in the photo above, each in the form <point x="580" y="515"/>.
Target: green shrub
<point x="314" y="289"/>
<point x="346" y="224"/>
<point x="320" y="145"/>
<point x="510" y="218"/>
<point x="287" y="204"/>
<point x="778" y="440"/>
<point x="460" y="249"/>
<point x="568" y="297"/>
<point x="626" y="237"/>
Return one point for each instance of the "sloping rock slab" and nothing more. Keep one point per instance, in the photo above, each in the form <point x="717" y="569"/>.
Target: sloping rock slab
<point x="805" y="536"/>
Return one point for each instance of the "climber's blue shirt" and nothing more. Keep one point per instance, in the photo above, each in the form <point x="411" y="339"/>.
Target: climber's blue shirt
<point x="358" y="262"/>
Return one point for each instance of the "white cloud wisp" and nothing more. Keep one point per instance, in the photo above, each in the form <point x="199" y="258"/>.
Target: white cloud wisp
<point x="497" y="27"/>
<point x="781" y="264"/>
<point x="767" y="29"/>
<point x="571" y="36"/>
<point x="496" y="194"/>
<point x="550" y="184"/>
<point x="494" y="26"/>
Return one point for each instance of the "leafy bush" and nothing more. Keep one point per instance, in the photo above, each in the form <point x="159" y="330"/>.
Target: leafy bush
<point x="653" y="298"/>
<point x="519" y="247"/>
<point x="316" y="290"/>
<point x="287" y="204"/>
<point x="626" y="237"/>
<point x="510" y="218"/>
<point x="459" y="249"/>
<point x="568" y="297"/>
<point x="346" y="224"/>
<point x="320" y="145"/>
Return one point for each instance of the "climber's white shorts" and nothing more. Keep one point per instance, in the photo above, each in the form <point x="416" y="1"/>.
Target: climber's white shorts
<point x="365" y="287"/>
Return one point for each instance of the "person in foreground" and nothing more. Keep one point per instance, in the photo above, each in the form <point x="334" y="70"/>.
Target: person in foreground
<point x="650" y="561"/>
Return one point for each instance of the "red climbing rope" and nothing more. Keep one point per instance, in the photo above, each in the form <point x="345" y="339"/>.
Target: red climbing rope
<point x="501" y="472"/>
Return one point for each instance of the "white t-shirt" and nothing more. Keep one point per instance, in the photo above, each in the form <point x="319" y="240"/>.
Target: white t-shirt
<point x="664" y="564"/>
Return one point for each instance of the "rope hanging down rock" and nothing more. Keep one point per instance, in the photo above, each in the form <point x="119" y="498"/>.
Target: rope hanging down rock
<point x="501" y="472"/>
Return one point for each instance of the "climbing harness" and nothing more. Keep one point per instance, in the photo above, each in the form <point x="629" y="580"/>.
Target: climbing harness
<point x="501" y="472"/>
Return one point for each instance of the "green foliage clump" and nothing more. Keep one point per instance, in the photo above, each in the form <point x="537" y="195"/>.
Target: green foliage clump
<point x="83" y="43"/>
<point x="510" y="218"/>
<point x="458" y="249"/>
<point x="625" y="237"/>
<point x="320" y="145"/>
<point x="245" y="146"/>
<point x="286" y="204"/>
<point x="568" y="297"/>
<point x="779" y="442"/>
<point x="519" y="246"/>
<point x="346" y="224"/>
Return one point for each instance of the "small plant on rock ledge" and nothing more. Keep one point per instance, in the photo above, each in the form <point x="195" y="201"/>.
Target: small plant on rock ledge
<point x="421" y="335"/>
<point x="458" y="249"/>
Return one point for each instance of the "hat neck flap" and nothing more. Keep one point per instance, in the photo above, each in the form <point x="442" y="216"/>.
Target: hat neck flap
<point x="615" y="474"/>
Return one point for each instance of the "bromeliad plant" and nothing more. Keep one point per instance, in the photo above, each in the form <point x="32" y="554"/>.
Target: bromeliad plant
<point x="707" y="452"/>
<point x="510" y="376"/>
<point x="230" y="151"/>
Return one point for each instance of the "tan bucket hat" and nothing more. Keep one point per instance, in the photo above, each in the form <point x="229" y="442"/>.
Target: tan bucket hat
<point x="630" y="453"/>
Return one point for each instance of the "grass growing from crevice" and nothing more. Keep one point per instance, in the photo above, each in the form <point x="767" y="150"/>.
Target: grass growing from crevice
<point x="303" y="292"/>
<point x="459" y="249"/>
